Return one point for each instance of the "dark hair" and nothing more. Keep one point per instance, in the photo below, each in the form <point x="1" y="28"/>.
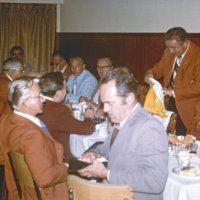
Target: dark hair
<point x="77" y="57"/>
<point x="59" y="53"/>
<point x="177" y="33"/>
<point x="51" y="82"/>
<point x="124" y="82"/>
<point x="16" y="48"/>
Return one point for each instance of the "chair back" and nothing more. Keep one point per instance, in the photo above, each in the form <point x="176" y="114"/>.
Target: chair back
<point x="81" y="189"/>
<point x="22" y="173"/>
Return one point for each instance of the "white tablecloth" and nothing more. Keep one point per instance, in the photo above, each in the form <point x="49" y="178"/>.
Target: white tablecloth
<point x="80" y="143"/>
<point x="180" y="187"/>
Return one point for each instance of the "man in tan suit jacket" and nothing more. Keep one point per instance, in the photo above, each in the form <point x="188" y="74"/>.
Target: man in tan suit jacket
<point x="185" y="91"/>
<point x="12" y="69"/>
<point x="22" y="132"/>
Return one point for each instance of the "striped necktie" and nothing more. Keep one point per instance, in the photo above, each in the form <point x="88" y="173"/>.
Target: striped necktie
<point x="174" y="72"/>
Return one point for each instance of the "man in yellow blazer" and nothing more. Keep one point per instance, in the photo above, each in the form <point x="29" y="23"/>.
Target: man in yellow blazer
<point x="23" y="132"/>
<point x="183" y="84"/>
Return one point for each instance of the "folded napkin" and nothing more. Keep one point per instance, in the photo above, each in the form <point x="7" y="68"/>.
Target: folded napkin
<point x="154" y="102"/>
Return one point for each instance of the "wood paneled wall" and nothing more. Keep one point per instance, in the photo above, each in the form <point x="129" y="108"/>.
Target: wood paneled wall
<point x="137" y="50"/>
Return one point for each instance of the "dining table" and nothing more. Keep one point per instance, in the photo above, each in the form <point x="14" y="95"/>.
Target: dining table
<point x="178" y="186"/>
<point x="183" y="186"/>
<point x="80" y="143"/>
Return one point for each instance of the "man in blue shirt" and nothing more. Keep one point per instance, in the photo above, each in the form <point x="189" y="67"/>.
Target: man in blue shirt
<point x="81" y="82"/>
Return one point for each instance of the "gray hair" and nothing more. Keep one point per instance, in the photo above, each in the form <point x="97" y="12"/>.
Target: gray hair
<point x="12" y="63"/>
<point x="177" y="33"/>
<point x="20" y="89"/>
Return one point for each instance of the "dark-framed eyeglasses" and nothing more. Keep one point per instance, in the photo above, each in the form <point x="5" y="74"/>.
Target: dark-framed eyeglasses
<point x="100" y="68"/>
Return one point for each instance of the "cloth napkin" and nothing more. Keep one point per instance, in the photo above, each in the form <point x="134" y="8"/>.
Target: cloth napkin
<point x="154" y="102"/>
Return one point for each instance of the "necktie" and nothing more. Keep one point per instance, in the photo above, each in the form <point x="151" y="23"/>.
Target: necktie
<point x="174" y="72"/>
<point x="75" y="86"/>
<point x="114" y="135"/>
<point x="43" y="126"/>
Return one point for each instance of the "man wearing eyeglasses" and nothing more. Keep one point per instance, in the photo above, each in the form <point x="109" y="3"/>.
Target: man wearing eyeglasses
<point x="104" y="65"/>
<point x="22" y="132"/>
<point x="81" y="82"/>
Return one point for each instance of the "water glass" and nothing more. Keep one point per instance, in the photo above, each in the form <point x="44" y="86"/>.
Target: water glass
<point x="184" y="158"/>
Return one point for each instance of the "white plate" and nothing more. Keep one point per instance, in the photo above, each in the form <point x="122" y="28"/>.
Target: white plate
<point x="191" y="171"/>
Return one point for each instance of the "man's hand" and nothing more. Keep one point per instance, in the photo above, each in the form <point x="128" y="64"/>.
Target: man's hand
<point x="97" y="169"/>
<point x="89" y="113"/>
<point x="83" y="99"/>
<point x="90" y="156"/>
<point x="147" y="76"/>
<point x="168" y="92"/>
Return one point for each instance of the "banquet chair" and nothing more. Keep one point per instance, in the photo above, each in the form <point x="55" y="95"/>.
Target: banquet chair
<point x="82" y="189"/>
<point x="22" y="173"/>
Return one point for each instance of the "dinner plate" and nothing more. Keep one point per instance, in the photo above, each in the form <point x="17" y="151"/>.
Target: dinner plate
<point x="190" y="171"/>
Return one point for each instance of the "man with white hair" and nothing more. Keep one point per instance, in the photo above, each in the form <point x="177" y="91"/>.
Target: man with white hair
<point x="12" y="69"/>
<point x="22" y="132"/>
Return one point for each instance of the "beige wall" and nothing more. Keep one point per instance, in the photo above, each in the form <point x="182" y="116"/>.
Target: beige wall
<point x="129" y="15"/>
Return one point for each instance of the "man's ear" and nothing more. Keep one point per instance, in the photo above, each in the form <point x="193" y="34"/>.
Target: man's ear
<point x="57" y="95"/>
<point x="130" y="98"/>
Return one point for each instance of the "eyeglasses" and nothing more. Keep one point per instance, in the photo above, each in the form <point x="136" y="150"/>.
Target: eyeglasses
<point x="100" y="68"/>
<point x="36" y="97"/>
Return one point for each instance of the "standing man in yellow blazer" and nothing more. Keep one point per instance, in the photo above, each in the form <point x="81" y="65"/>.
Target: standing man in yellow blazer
<point x="182" y="83"/>
<point x="23" y="132"/>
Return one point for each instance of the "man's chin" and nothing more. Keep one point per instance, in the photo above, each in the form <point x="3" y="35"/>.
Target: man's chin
<point x="113" y="120"/>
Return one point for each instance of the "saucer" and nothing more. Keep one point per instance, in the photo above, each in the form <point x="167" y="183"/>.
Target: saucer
<point x="191" y="171"/>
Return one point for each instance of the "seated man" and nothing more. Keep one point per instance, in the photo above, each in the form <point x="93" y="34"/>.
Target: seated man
<point x="81" y="82"/>
<point x="104" y="65"/>
<point x="12" y="69"/>
<point x="57" y="116"/>
<point x="59" y="64"/>
<point x="23" y="132"/>
<point x="17" y="52"/>
<point x="138" y="154"/>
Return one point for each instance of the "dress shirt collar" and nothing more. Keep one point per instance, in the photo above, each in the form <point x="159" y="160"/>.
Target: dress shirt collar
<point x="32" y="118"/>
<point x="124" y="121"/>
<point x="80" y="76"/>
<point x="64" y="68"/>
